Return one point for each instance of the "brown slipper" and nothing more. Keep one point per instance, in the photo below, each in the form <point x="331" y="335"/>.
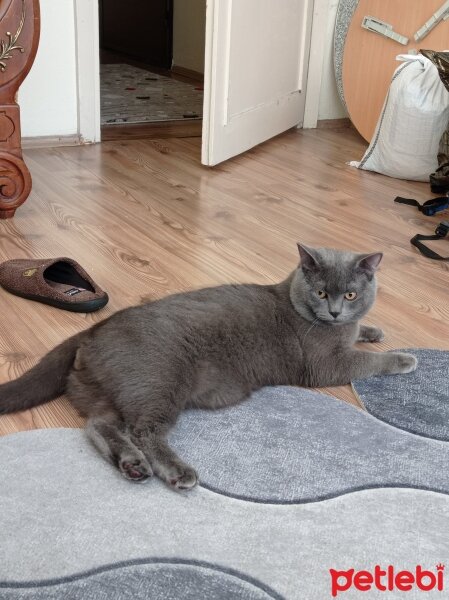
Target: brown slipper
<point x="60" y="282"/>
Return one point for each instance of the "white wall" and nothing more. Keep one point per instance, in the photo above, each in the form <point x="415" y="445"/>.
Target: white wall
<point x="189" y="29"/>
<point x="48" y="96"/>
<point x="330" y="106"/>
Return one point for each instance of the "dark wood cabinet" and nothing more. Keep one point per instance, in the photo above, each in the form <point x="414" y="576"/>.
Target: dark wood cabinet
<point x="19" y="39"/>
<point x="141" y="29"/>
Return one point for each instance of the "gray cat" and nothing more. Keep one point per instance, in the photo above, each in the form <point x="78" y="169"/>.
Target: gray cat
<point x="132" y="374"/>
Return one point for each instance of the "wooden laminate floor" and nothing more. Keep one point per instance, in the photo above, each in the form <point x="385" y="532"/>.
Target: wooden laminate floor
<point x="146" y="219"/>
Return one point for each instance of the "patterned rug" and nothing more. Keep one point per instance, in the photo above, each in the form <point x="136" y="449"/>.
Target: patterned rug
<point x="132" y="95"/>
<point x="293" y="483"/>
<point x="417" y="402"/>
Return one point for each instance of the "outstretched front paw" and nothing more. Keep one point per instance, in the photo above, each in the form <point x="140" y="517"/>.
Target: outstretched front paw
<point x="402" y="362"/>
<point x="370" y="334"/>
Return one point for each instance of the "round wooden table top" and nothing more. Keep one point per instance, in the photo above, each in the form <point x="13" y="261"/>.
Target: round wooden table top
<point x="369" y="59"/>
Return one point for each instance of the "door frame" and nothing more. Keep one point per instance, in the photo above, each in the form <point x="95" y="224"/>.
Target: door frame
<point x="87" y="34"/>
<point x="316" y="67"/>
<point x="88" y="65"/>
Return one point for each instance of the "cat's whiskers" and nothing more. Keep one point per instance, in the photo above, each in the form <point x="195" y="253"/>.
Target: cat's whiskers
<point x="314" y="322"/>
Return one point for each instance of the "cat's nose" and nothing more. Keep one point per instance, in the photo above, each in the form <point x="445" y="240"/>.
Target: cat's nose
<point x="334" y="314"/>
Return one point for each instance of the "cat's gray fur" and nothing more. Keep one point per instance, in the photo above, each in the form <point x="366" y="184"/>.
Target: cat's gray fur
<point x="133" y="373"/>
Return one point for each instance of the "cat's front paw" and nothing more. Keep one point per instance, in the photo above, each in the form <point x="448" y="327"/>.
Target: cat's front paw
<point x="370" y="334"/>
<point x="402" y="362"/>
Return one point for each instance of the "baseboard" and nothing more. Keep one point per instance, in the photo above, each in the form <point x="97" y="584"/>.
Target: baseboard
<point x="334" y="123"/>
<point x="196" y="75"/>
<point x="52" y="141"/>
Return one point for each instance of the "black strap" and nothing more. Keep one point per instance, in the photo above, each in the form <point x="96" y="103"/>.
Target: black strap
<point x="430" y="207"/>
<point x="441" y="231"/>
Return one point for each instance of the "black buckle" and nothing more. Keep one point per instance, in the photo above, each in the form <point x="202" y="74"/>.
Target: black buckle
<point x="443" y="229"/>
<point x="430" y="207"/>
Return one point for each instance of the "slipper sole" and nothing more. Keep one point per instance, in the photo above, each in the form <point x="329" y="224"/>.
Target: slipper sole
<point x="83" y="307"/>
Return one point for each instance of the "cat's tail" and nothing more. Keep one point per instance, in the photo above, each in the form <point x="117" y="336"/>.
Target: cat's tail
<point x="43" y="382"/>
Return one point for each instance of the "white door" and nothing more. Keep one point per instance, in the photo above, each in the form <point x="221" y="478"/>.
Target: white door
<point x="255" y="72"/>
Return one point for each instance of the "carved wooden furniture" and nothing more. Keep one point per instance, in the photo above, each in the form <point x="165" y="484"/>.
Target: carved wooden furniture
<point x="19" y="39"/>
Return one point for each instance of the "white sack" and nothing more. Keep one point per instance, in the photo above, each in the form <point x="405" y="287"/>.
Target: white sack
<point x="414" y="116"/>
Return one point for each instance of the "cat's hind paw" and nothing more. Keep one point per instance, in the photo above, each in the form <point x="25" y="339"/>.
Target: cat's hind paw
<point x="135" y="470"/>
<point x="179" y="477"/>
<point x="185" y="481"/>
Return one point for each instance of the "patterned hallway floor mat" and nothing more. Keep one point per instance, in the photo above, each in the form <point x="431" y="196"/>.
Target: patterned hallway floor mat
<point x="133" y="95"/>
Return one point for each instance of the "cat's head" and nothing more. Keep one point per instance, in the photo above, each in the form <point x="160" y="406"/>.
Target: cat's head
<point x="334" y="286"/>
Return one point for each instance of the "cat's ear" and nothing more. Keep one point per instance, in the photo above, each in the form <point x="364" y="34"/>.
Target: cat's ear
<point x="309" y="261"/>
<point x="368" y="263"/>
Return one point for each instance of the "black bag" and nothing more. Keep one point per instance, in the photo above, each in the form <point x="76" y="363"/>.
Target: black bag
<point x="439" y="181"/>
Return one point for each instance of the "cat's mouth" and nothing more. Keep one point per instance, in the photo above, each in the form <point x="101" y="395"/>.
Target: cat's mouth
<point x="329" y="320"/>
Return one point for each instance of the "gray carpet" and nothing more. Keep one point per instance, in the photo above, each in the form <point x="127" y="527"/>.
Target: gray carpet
<point x="258" y="527"/>
<point x="291" y="445"/>
<point x="417" y="402"/>
<point x="143" y="580"/>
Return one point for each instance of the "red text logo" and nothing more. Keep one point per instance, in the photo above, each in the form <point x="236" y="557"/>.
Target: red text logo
<point x="387" y="580"/>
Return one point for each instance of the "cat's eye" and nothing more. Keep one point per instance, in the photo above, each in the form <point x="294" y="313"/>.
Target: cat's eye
<point x="351" y="295"/>
<point x="321" y="294"/>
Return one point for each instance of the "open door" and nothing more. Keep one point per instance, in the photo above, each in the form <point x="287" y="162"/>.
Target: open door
<point x="255" y="72"/>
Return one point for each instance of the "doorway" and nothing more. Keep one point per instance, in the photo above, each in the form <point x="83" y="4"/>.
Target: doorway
<point x="255" y="74"/>
<point x="151" y="67"/>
